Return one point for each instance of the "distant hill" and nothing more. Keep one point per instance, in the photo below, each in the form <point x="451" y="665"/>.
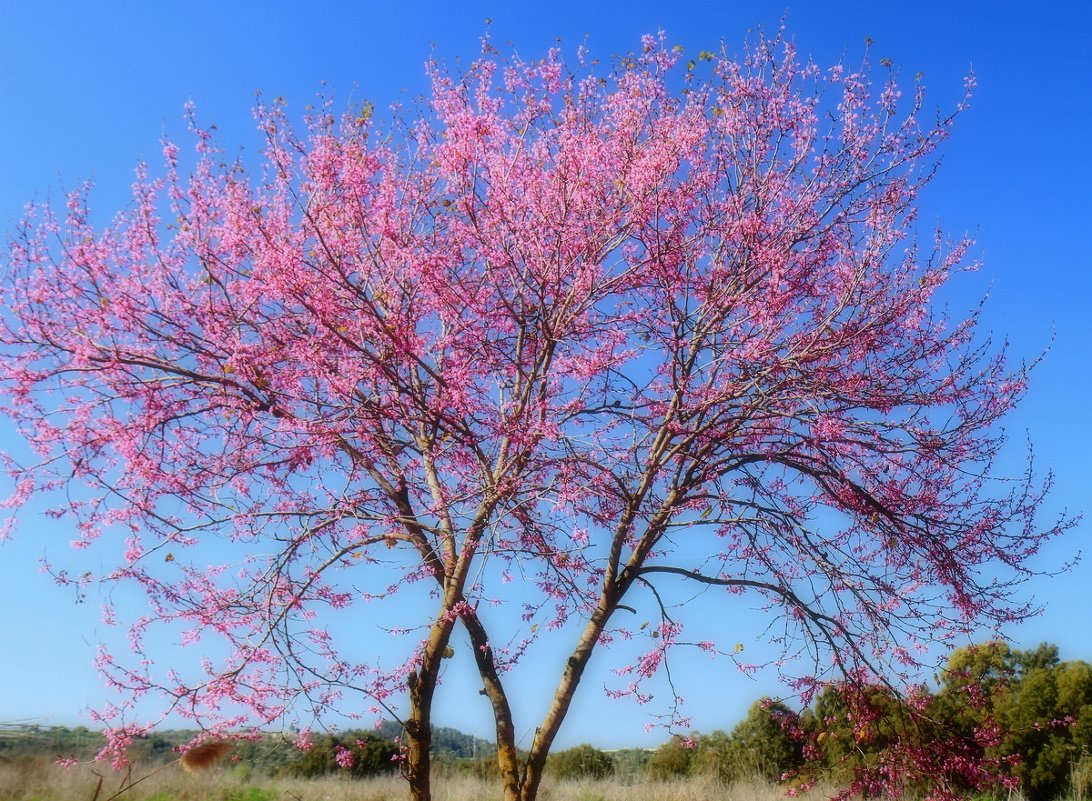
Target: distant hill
<point x="17" y="740"/>
<point x="446" y="742"/>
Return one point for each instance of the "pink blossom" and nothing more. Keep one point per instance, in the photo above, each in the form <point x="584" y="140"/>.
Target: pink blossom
<point x="611" y="335"/>
<point x="344" y="757"/>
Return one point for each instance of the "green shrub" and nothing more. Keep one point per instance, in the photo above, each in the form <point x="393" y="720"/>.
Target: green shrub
<point x="371" y="756"/>
<point x="671" y="760"/>
<point x="582" y="762"/>
<point x="762" y="744"/>
<point x="483" y="768"/>
<point x="250" y="794"/>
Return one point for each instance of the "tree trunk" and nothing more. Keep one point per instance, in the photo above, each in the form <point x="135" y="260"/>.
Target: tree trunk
<point x="521" y="783"/>
<point x="419" y="741"/>
<point x="566" y="688"/>
<point x="507" y="755"/>
<point x="422" y="687"/>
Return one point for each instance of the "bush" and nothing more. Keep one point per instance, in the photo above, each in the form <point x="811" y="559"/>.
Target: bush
<point x="762" y="744"/>
<point x="251" y="794"/>
<point x="671" y="760"/>
<point x="370" y="756"/>
<point x="582" y="762"/>
<point x="716" y="757"/>
<point x="483" y="768"/>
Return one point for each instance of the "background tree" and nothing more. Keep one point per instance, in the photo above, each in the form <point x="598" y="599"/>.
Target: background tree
<point x="874" y="743"/>
<point x="630" y="764"/>
<point x="548" y="328"/>
<point x="855" y="730"/>
<point x="766" y="743"/>
<point x="1021" y="717"/>
<point x="715" y="756"/>
<point x="1042" y="708"/>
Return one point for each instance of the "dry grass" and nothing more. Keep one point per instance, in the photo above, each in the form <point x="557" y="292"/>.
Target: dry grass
<point x="693" y="789"/>
<point x="40" y="780"/>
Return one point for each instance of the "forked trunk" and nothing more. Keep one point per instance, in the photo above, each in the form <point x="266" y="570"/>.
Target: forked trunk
<point x="522" y="782"/>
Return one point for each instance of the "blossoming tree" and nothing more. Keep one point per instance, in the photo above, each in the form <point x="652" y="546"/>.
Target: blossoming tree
<point x="555" y="324"/>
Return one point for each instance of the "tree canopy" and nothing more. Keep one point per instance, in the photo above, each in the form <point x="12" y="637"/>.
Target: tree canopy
<point x="545" y="329"/>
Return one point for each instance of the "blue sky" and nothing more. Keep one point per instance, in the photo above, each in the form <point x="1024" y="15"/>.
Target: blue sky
<point x="88" y="89"/>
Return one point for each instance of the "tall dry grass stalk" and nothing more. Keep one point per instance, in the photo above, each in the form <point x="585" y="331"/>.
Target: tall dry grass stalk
<point x="1080" y="777"/>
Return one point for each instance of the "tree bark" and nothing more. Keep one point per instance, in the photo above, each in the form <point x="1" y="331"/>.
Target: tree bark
<point x="422" y="687"/>
<point x="566" y="689"/>
<point x="507" y="755"/>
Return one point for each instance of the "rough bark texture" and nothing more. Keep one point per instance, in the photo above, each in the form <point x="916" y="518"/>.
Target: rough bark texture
<point x="422" y="687"/>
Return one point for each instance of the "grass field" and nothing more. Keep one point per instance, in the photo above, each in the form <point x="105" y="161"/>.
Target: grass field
<point x="40" y="780"/>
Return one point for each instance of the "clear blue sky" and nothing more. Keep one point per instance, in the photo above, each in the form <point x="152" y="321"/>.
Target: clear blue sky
<point x="87" y="89"/>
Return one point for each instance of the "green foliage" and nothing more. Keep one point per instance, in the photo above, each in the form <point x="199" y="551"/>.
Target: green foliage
<point x="447" y="744"/>
<point x="631" y="764"/>
<point x="1039" y="708"/>
<point x="484" y="768"/>
<point x="985" y="665"/>
<point x="715" y="756"/>
<point x="763" y="744"/>
<point x="371" y="756"/>
<point x="157" y="748"/>
<point x="1046" y="715"/>
<point x="671" y="760"/>
<point x="853" y="730"/>
<point x="51" y="741"/>
<point x="251" y="794"/>
<point x="582" y="762"/>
